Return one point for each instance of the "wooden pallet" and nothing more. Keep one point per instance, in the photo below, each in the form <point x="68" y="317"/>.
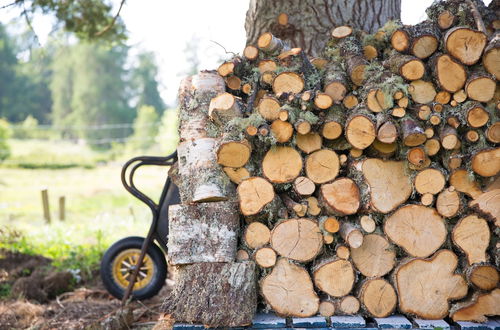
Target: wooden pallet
<point x="271" y="321"/>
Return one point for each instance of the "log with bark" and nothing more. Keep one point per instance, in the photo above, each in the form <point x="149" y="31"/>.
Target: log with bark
<point x="225" y="296"/>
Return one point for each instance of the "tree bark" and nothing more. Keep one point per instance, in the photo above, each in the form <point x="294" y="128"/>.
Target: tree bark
<point x="310" y="22"/>
<point x="224" y="296"/>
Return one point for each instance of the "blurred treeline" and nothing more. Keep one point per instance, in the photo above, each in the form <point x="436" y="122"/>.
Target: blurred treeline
<point x="99" y="93"/>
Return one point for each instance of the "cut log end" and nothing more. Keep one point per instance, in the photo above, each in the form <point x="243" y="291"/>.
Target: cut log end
<point x="334" y="277"/>
<point x="378" y="297"/>
<point x="289" y="291"/>
<point x="375" y="257"/>
<point x="254" y="193"/>
<point x="422" y="280"/>
<point x="478" y="307"/>
<point x="297" y="239"/>
<point x="360" y="131"/>
<point x="341" y="197"/>
<point x="484" y="277"/>
<point x="326" y="308"/>
<point x="472" y="235"/>
<point x="402" y="228"/>
<point x="265" y="257"/>
<point x="256" y="235"/>
<point x="341" y="32"/>
<point x="349" y="305"/>
<point x="282" y="164"/>
<point x="288" y="82"/>
<point x="465" y="44"/>
<point x="322" y="166"/>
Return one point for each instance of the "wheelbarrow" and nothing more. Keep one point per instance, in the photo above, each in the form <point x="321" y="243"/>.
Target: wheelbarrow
<point x="135" y="266"/>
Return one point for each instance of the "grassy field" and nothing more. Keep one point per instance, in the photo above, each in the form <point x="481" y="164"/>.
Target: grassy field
<point x="99" y="210"/>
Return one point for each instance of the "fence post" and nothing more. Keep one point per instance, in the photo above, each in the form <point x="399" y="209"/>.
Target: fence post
<point x="45" y="205"/>
<point x="62" y="208"/>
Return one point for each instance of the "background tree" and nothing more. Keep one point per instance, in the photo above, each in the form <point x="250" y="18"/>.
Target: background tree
<point x="5" y="133"/>
<point x="191" y="50"/>
<point x="99" y="89"/>
<point x="145" y="128"/>
<point x="61" y="86"/>
<point x="8" y="77"/>
<point x="87" y="19"/>
<point x="310" y="21"/>
<point x="145" y="82"/>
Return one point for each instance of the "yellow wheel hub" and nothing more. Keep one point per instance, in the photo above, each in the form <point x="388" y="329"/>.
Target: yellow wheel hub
<point x="124" y="264"/>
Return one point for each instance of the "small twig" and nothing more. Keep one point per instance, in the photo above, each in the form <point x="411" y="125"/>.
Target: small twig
<point x="59" y="302"/>
<point x="215" y="42"/>
<point x="477" y="16"/>
<point x="251" y="99"/>
<point x="10" y="4"/>
<point x="110" y="25"/>
<point x="28" y="21"/>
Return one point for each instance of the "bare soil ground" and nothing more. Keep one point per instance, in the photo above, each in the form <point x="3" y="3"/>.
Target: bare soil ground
<point x="35" y="301"/>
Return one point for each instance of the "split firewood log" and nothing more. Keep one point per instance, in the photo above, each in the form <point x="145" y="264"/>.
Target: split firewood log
<point x="334" y="276"/>
<point x="472" y="235"/>
<point x="288" y="289"/>
<point x="425" y="286"/>
<point x="297" y="239"/>
<point x="378" y="298"/>
<point x="282" y="164"/>
<point x="488" y="204"/>
<point x="483" y="276"/>
<point x="375" y="257"/>
<point x="478" y="307"/>
<point x="389" y="185"/>
<point x="465" y="44"/>
<point x="419" y="230"/>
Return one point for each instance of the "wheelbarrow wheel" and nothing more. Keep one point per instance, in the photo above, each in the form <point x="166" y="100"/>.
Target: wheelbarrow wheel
<point x="119" y="261"/>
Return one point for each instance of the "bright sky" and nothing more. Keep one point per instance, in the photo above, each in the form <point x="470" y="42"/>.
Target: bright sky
<point x="165" y="27"/>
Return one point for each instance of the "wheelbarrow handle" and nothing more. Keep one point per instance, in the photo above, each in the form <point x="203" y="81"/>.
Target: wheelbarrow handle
<point x="134" y="164"/>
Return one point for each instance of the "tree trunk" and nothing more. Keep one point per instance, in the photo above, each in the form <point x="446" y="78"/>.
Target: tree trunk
<point x="308" y="24"/>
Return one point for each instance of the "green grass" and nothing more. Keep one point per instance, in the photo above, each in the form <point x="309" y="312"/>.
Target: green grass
<point x="99" y="211"/>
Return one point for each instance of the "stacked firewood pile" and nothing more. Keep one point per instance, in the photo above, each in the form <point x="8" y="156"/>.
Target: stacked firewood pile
<point x="365" y="180"/>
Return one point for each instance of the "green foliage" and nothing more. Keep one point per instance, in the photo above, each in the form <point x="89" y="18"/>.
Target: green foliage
<point x="145" y="83"/>
<point x="27" y="129"/>
<point x="5" y="289"/>
<point x="81" y="259"/>
<point x="42" y="154"/>
<point x="88" y="19"/>
<point x="5" y="133"/>
<point x="145" y="128"/>
<point x="308" y="116"/>
<point x="8" y="62"/>
<point x="89" y="89"/>
<point x="168" y="136"/>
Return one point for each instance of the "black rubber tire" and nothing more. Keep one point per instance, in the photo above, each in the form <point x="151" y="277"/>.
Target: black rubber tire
<point x="156" y="255"/>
